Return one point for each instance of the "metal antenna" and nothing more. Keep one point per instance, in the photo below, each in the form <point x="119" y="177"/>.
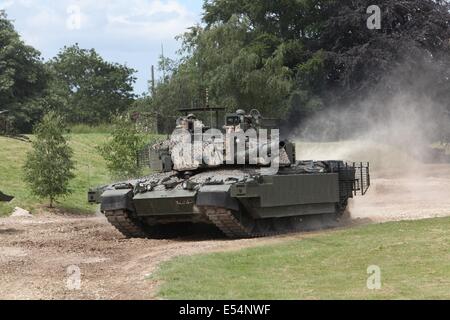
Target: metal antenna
<point x="163" y="62"/>
<point x="207" y="106"/>
<point x="153" y="81"/>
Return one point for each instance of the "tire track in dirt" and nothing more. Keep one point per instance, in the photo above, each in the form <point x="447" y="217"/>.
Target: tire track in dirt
<point x="36" y="252"/>
<point x="402" y="187"/>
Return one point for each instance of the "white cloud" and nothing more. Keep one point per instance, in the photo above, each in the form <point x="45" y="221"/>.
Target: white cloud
<point x="159" y="19"/>
<point x="125" y="31"/>
<point x="147" y="19"/>
<point x="6" y="4"/>
<point x="45" y="18"/>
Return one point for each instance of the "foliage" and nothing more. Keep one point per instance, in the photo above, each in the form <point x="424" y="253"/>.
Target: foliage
<point x="86" y="88"/>
<point x="23" y="77"/>
<point x="49" y="166"/>
<point x="77" y="83"/>
<point x="293" y="58"/>
<point x="412" y="43"/>
<point x="236" y="73"/>
<point x="145" y="118"/>
<point x="288" y="58"/>
<point x="90" y="171"/>
<point x="247" y="56"/>
<point x="103" y="128"/>
<point x="122" y="150"/>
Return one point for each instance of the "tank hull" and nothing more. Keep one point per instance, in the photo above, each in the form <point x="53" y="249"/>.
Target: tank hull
<point x="241" y="200"/>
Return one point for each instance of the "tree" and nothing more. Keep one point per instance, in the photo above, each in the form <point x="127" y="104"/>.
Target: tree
<point x="246" y="55"/>
<point x="49" y="167"/>
<point x="238" y="73"/>
<point x="296" y="58"/>
<point x="87" y="89"/>
<point x="121" y="151"/>
<point x="413" y="43"/>
<point x="22" y="78"/>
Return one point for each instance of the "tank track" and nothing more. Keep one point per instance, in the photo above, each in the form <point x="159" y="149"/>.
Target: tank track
<point x="225" y="220"/>
<point x="232" y="227"/>
<point x="129" y="226"/>
<point x="132" y="227"/>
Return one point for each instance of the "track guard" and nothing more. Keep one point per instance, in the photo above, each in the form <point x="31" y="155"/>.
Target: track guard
<point x="217" y="196"/>
<point x="114" y="200"/>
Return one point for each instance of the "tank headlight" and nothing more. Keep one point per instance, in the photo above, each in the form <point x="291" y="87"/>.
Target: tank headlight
<point x="149" y="187"/>
<point x="185" y="185"/>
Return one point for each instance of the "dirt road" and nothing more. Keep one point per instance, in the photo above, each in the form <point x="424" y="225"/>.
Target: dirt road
<point x="402" y="187"/>
<point x="398" y="195"/>
<point x="35" y="253"/>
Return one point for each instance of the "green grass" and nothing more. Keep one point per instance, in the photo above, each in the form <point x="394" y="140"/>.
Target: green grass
<point x="90" y="171"/>
<point x="414" y="258"/>
<point x="87" y="129"/>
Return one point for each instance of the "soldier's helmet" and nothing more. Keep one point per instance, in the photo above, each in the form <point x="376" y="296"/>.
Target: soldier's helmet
<point x="241" y="112"/>
<point x="179" y="121"/>
<point x="191" y="116"/>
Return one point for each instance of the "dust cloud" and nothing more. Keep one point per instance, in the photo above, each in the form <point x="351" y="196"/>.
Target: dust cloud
<point x="410" y="180"/>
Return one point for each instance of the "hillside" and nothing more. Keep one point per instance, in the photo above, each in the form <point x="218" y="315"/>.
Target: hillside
<point x="90" y="171"/>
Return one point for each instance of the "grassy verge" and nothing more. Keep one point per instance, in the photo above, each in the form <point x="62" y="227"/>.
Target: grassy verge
<point x="90" y="171"/>
<point x="87" y="129"/>
<point x="414" y="258"/>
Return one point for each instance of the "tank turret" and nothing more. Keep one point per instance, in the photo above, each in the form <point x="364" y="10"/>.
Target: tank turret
<point x="242" y="141"/>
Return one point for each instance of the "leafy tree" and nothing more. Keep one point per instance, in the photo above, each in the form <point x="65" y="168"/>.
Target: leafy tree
<point x="236" y="72"/>
<point x="121" y="151"/>
<point x="294" y="58"/>
<point x="22" y="77"/>
<point x="49" y="167"/>
<point x="87" y="89"/>
<point x="246" y="55"/>
<point x="413" y="43"/>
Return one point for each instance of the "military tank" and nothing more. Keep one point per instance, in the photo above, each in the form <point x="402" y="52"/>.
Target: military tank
<point x="241" y="179"/>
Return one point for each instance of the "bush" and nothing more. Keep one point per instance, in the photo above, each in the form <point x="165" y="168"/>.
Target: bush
<point x="121" y="151"/>
<point x="88" y="129"/>
<point x="48" y="167"/>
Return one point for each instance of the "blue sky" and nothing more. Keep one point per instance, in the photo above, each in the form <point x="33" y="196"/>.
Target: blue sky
<point x="125" y="31"/>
